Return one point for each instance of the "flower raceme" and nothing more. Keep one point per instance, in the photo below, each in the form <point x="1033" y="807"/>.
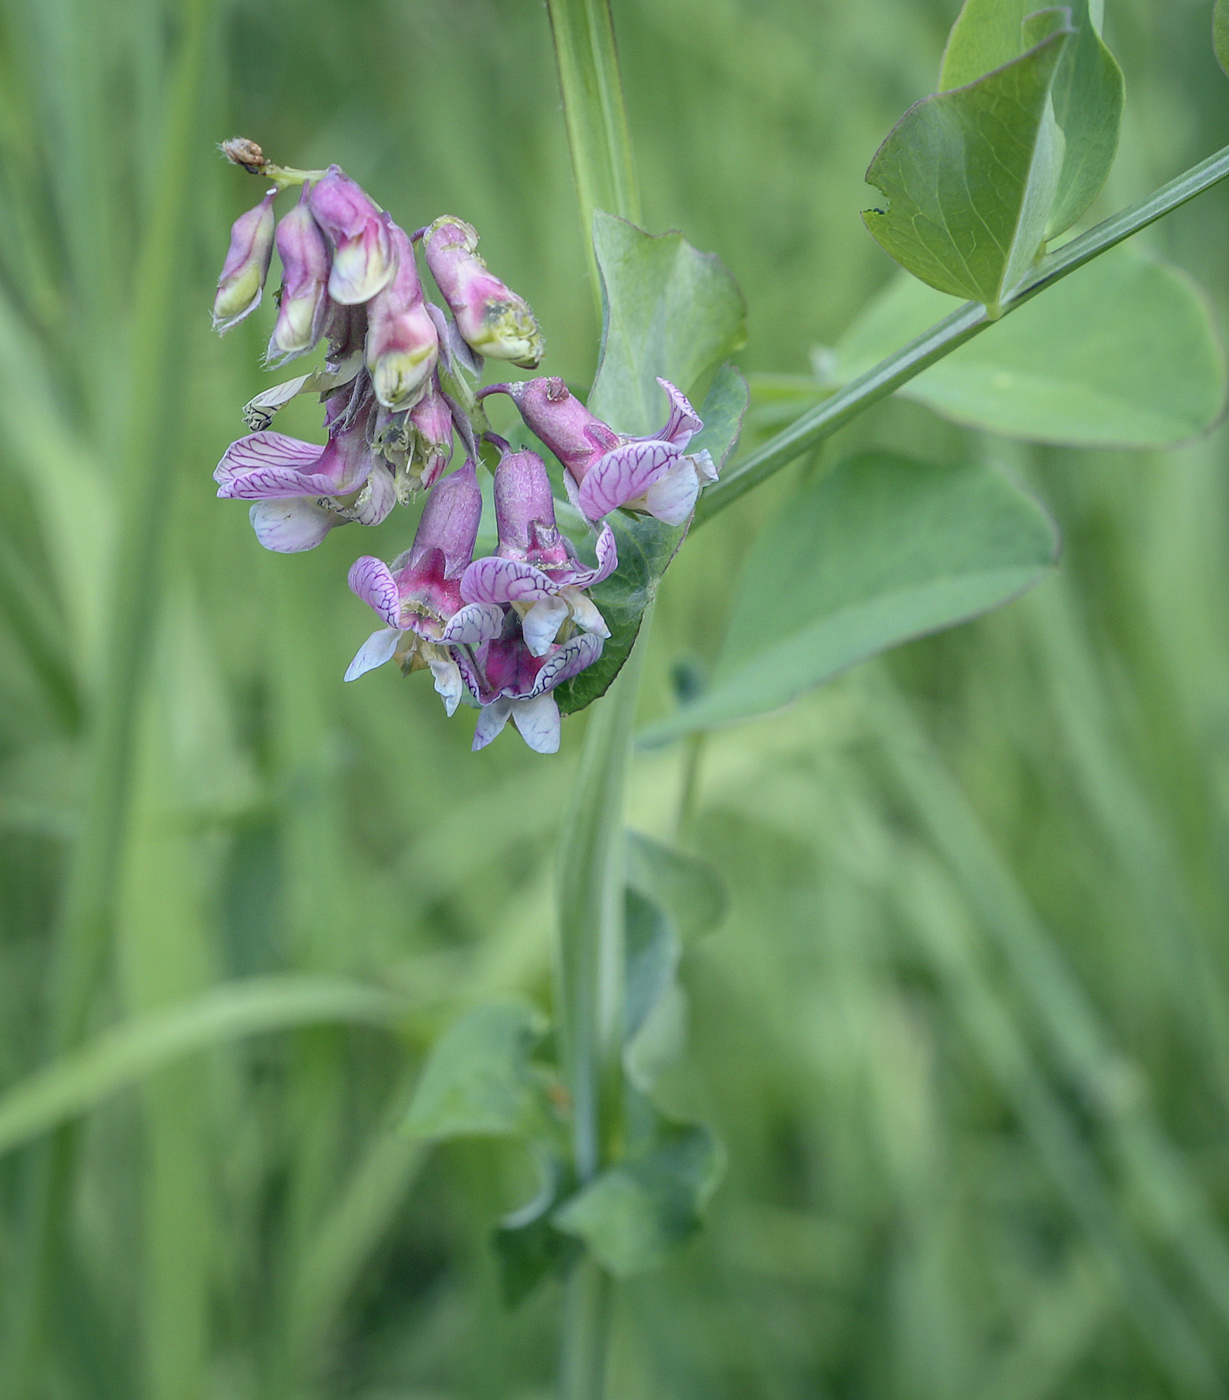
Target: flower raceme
<point x="398" y="382"/>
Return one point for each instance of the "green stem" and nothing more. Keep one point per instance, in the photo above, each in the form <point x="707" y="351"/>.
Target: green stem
<point x="586" y="1331"/>
<point x="144" y="476"/>
<point x="950" y="333"/>
<point x="602" y="162"/>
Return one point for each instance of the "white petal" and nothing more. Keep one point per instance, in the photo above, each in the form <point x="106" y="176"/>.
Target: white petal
<point x="704" y="464"/>
<point x="538" y="722"/>
<point x="584" y="611"/>
<point x="290" y="526"/>
<point x="491" y="720"/>
<point x="375" y="651"/>
<point x="672" y="497"/>
<point x="447" y="681"/>
<point x="541" y="624"/>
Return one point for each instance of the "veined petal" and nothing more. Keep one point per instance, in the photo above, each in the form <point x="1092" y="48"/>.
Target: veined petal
<point x="290" y="526"/>
<point x="705" y="465"/>
<point x="684" y="422"/>
<point x="474" y="681"/>
<point x="375" y="651"/>
<point x="491" y="720"/>
<point x="570" y="660"/>
<point x="538" y="722"/>
<point x="473" y="624"/>
<point x="672" y="497"/>
<point x="376" y="498"/>
<point x="266" y="451"/>
<point x="447" y="677"/>
<point x="540" y="625"/>
<point x="372" y="581"/>
<point x="495" y="580"/>
<point x="607" y="563"/>
<point x="623" y="474"/>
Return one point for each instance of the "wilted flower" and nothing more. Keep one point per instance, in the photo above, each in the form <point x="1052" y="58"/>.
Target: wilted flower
<point x="246" y="266"/>
<point x="304" y="300"/>
<point x="419" y="595"/>
<point x="605" y="469"/>
<point x="402" y="345"/>
<point x="364" y="260"/>
<point x="490" y="316"/>
<point x="536" y="569"/>
<point x="300" y="490"/>
<point x="510" y="682"/>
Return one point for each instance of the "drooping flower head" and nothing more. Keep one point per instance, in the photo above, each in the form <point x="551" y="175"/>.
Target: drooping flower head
<point x="402" y="344"/>
<point x="364" y="259"/>
<point x="492" y="318"/>
<point x="418" y="596"/>
<point x="304" y="301"/>
<point x="607" y="470"/>
<point x="247" y="264"/>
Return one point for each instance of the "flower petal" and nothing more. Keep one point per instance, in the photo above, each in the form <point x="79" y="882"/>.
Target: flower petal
<point x="607" y="563"/>
<point x="372" y="581"/>
<point x="375" y="651"/>
<point x="623" y="474"/>
<point x="584" y="611"/>
<point x="672" y="497"/>
<point x="538" y="722"/>
<point x="572" y="657"/>
<point x="473" y="624"/>
<point x="376" y="498"/>
<point x="473" y="678"/>
<point x="447" y="682"/>
<point x="684" y="422"/>
<point x="541" y="624"/>
<point x="491" y="720"/>
<point x="290" y="526"/>
<point x="495" y="580"/>
<point x="264" y="451"/>
<point x="705" y="465"/>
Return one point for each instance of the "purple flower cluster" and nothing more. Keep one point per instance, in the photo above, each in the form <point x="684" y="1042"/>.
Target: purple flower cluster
<point x="397" y="384"/>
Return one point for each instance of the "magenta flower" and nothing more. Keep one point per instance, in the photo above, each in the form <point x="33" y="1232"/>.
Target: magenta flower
<point x="419" y="595"/>
<point x="304" y="302"/>
<point x="300" y="490"/>
<point x="536" y="569"/>
<point x="364" y="260"/>
<point x="402" y="344"/>
<point x="246" y="266"/>
<point x="490" y="316"/>
<point x="606" y="470"/>
<point x="509" y="682"/>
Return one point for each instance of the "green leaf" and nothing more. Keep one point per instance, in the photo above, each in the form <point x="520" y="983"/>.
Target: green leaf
<point x="1220" y="34"/>
<point x="636" y="1213"/>
<point x="687" y="887"/>
<point x="971" y="175"/>
<point x="669" y="310"/>
<point x="529" y="1253"/>
<point x="479" y="1079"/>
<point x="654" y="1004"/>
<point x="1087" y="93"/>
<point x="1123" y="352"/>
<point x="881" y="550"/>
<point x="675" y="312"/>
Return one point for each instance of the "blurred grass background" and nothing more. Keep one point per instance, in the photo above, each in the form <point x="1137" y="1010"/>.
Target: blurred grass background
<point x="965" y="1031"/>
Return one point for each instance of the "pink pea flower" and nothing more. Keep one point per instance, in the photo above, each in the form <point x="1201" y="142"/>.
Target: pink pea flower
<point x="491" y="317"/>
<point x="300" y="490"/>
<point x="402" y="344"/>
<point x="304" y="302"/>
<point x="364" y="260"/>
<point x="510" y="682"/>
<point x="246" y="266"/>
<point x="418" y="596"/>
<point x="536" y="569"/>
<point x="607" y="470"/>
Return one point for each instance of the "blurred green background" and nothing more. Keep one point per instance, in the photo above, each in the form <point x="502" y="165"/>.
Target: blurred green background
<point x="965" y="1031"/>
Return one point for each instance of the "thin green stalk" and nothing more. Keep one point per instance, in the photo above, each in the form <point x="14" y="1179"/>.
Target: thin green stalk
<point x="602" y="162"/>
<point x="586" y="1332"/>
<point x="144" y="481"/>
<point x="950" y="333"/>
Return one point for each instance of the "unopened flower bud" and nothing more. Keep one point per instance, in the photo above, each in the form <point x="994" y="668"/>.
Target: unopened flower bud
<point x="247" y="263"/>
<point x="491" y="317"/>
<point x="364" y="260"/>
<point x="402" y="343"/>
<point x="525" y="512"/>
<point x="305" y="276"/>
<point x="448" y="527"/>
<point x="431" y="421"/>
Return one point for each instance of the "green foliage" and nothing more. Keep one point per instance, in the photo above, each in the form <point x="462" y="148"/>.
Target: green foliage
<point x="1220" y="34"/>
<point x="1087" y="92"/>
<point x="1122" y="352"/>
<point x="971" y="175"/>
<point x="880" y="550"/>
